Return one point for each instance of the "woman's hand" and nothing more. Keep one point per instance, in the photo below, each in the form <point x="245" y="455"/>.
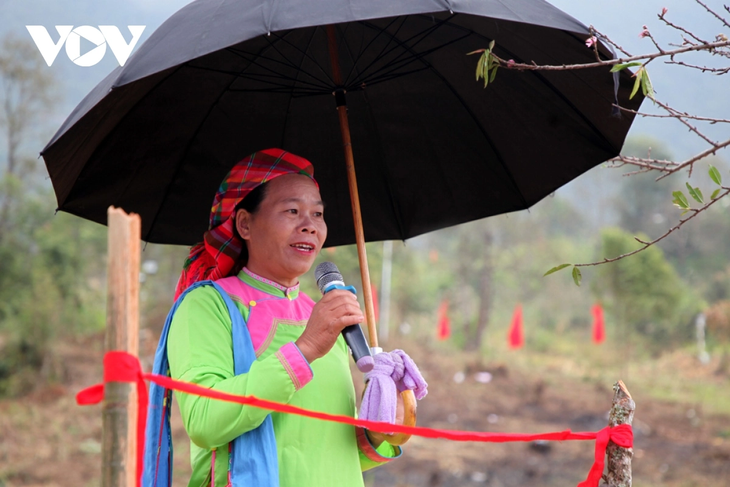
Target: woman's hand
<point x="336" y="310"/>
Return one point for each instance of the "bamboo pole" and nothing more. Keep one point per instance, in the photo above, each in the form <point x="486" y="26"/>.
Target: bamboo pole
<point x="119" y="410"/>
<point x="354" y="194"/>
<point x="618" y="473"/>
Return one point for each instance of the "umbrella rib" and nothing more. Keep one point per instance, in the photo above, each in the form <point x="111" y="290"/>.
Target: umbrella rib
<point x="387" y="77"/>
<point x="476" y="121"/>
<point x="423" y="35"/>
<point x="394" y="207"/>
<point x="380" y="75"/>
<point x="288" y="107"/>
<point x="332" y="83"/>
<point x="254" y="61"/>
<point x="262" y="78"/>
<point x="377" y="35"/>
<point x="370" y="43"/>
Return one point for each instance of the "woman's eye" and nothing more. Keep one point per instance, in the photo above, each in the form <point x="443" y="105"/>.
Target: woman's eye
<point x="318" y="214"/>
<point x="293" y="211"/>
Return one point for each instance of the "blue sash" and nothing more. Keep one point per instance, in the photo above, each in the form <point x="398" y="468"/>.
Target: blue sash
<point x="253" y="458"/>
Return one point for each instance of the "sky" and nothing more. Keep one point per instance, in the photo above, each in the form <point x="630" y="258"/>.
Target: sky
<point x="621" y="20"/>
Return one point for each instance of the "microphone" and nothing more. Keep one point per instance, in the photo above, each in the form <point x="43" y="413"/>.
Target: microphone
<point x="328" y="278"/>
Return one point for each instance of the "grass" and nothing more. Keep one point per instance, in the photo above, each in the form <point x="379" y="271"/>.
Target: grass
<point x="674" y="376"/>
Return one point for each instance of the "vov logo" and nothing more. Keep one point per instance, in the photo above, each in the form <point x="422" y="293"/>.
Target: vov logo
<point x="71" y="37"/>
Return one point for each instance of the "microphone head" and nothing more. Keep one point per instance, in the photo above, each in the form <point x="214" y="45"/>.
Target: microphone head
<point x="325" y="273"/>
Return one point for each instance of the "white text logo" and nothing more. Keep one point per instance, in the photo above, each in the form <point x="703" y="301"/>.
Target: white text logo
<point x="71" y="37"/>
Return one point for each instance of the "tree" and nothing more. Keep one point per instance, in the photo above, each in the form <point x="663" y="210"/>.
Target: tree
<point x="684" y="56"/>
<point x="26" y="92"/>
<point x="51" y="283"/>
<point x="646" y="292"/>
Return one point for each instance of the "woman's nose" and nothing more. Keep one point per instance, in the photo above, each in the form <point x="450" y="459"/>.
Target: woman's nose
<point x="308" y="226"/>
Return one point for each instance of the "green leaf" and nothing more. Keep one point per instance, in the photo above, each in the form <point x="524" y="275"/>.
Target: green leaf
<point x="556" y="269"/>
<point x="715" y="194"/>
<point x="644" y="86"/>
<point x="494" y="73"/>
<point x="695" y="193"/>
<point x="680" y="200"/>
<point x="619" y="67"/>
<point x="491" y="45"/>
<point x="715" y="176"/>
<point x="647" y="81"/>
<point x="479" y="68"/>
<point x="577" y="276"/>
<point x="637" y="83"/>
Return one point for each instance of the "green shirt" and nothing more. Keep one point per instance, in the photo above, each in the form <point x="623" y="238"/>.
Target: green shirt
<point x="310" y="452"/>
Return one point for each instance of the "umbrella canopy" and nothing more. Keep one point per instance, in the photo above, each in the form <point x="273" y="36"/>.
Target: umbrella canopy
<point x="223" y="78"/>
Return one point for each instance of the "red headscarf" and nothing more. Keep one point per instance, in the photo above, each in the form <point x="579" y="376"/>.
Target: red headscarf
<point x="218" y="255"/>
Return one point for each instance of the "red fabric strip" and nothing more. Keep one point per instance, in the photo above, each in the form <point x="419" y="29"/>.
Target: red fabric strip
<point x="122" y="367"/>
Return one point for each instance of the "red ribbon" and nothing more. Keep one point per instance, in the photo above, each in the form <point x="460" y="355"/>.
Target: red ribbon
<point x="123" y="367"/>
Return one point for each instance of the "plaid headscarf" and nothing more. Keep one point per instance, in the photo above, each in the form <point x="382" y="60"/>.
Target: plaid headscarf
<point x="219" y="254"/>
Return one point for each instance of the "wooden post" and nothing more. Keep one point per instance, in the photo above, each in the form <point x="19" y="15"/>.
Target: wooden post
<point x="119" y="411"/>
<point x="618" y="473"/>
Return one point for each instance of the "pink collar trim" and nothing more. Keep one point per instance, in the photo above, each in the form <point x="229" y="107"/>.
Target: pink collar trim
<point x="286" y="290"/>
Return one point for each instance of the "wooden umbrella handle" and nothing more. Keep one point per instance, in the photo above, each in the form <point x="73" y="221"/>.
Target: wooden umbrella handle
<point x="409" y="418"/>
<point x="354" y="194"/>
<point x="407" y="406"/>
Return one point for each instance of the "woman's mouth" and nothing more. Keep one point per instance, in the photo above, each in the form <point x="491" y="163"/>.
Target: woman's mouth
<point x="303" y="247"/>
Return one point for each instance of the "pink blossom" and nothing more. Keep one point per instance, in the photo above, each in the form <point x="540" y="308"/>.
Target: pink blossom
<point x="511" y="62"/>
<point x="590" y="41"/>
<point x="664" y="11"/>
<point x="644" y="33"/>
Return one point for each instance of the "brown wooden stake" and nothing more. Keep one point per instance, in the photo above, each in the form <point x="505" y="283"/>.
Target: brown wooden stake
<point x="119" y="410"/>
<point x="618" y="473"/>
<point x="354" y="195"/>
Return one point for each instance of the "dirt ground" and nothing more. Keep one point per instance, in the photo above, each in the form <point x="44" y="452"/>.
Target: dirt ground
<point x="47" y="440"/>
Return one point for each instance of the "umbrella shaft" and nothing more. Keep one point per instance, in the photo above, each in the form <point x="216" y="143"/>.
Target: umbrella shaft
<point x="354" y="195"/>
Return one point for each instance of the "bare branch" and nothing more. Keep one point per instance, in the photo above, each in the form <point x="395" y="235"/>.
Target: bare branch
<point x="692" y="160"/>
<point x="610" y="62"/>
<point x="605" y="38"/>
<point x="682" y="29"/>
<point x="725" y="22"/>
<point x="646" y="163"/>
<point x="646" y="245"/>
<point x="679" y="114"/>
<point x="718" y="71"/>
<point x="691" y="127"/>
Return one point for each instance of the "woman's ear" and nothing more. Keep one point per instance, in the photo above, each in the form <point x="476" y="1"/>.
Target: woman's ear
<point x="243" y="220"/>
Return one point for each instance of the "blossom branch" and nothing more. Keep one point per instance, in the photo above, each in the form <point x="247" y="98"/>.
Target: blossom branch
<point x="678" y="114"/>
<point x="646" y="244"/>
<point x="715" y="14"/>
<point x="609" y="62"/>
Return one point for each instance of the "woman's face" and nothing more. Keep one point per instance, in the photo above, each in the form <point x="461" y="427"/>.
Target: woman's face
<point x="287" y="231"/>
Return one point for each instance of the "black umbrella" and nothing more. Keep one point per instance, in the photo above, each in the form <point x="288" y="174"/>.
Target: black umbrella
<point x="223" y="78"/>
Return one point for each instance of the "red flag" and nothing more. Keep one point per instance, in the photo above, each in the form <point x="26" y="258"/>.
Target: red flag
<point x="516" y="338"/>
<point x="599" y="332"/>
<point x="443" y="331"/>
<point x="376" y="306"/>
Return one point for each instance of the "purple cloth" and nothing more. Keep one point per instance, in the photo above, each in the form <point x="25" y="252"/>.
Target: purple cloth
<point x="393" y="372"/>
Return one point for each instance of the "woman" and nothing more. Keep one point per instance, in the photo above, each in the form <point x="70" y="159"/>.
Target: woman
<point x="267" y="226"/>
